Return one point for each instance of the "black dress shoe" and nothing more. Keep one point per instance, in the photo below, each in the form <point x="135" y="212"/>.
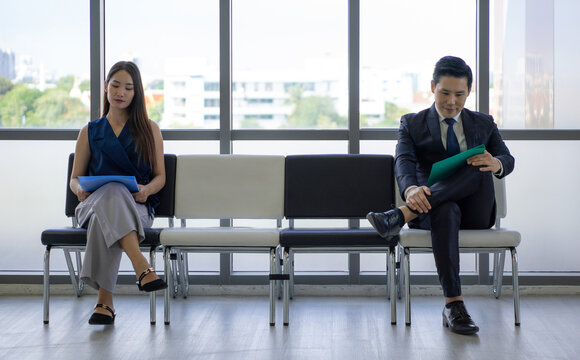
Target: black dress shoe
<point x="388" y="223"/>
<point x="102" y="319"/>
<point x="154" y="285"/>
<point x="458" y="320"/>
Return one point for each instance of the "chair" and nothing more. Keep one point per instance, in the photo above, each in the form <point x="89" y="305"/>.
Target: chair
<point x="496" y="240"/>
<point x="73" y="239"/>
<point x="337" y="187"/>
<point x="226" y="187"/>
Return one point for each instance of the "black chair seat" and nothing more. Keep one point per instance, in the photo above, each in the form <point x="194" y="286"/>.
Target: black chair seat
<point x="78" y="237"/>
<point x="296" y="238"/>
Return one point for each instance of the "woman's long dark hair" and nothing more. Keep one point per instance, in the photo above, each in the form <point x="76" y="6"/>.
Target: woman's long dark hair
<point x="139" y="122"/>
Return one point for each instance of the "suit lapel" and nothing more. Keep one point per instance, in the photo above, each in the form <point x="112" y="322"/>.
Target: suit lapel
<point x="435" y="128"/>
<point x="469" y="129"/>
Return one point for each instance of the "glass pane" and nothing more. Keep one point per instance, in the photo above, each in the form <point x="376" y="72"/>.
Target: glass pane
<point x="251" y="262"/>
<point x="325" y="262"/>
<point x="176" y="45"/>
<point x="44" y="64"/>
<point x="291" y="147"/>
<point x="534" y="55"/>
<point x="290" y="64"/>
<point x="399" y="47"/>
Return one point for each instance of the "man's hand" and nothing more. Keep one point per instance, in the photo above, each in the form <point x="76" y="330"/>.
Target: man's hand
<point x="417" y="199"/>
<point x="486" y="161"/>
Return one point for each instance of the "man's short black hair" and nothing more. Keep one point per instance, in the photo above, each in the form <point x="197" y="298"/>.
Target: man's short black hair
<point x="452" y="66"/>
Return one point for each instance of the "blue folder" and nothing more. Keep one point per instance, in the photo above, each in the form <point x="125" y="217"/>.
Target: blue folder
<point x="92" y="183"/>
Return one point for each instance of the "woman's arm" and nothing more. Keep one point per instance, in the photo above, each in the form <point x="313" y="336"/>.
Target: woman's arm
<point x="158" y="180"/>
<point x="80" y="164"/>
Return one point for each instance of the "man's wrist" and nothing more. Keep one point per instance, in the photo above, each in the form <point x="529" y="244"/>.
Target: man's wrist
<point x="500" y="171"/>
<point x="409" y="188"/>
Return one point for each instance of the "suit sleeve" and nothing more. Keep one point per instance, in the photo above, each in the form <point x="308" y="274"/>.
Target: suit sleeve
<point x="498" y="149"/>
<point x="405" y="158"/>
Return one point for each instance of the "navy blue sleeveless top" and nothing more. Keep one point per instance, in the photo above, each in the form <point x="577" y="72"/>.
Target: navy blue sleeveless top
<point x="112" y="155"/>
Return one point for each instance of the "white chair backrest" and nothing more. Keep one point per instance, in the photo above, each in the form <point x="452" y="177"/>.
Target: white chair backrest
<point x="229" y="186"/>
<point x="500" y="200"/>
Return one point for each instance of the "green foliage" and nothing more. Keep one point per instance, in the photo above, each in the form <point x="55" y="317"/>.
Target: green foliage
<point x="5" y="85"/>
<point x="66" y="83"/>
<point x="155" y="112"/>
<point x="85" y="85"/>
<point x="156" y="85"/>
<point x="16" y="105"/>
<point x="55" y="108"/>
<point x="250" y="123"/>
<point x="313" y="111"/>
<point x="25" y="107"/>
<point x="393" y="115"/>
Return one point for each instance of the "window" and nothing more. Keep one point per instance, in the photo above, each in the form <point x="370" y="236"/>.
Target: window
<point x="165" y="42"/>
<point x="280" y="46"/>
<point x="399" y="46"/>
<point x="534" y="55"/>
<point x="211" y="102"/>
<point x="211" y="86"/>
<point x="37" y="88"/>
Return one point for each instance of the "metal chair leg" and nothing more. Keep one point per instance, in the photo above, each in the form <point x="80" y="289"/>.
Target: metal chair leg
<point x="168" y="280"/>
<point x="80" y="267"/>
<point x="72" y="272"/>
<point x="272" y="286"/>
<point x="407" y="286"/>
<point x="499" y="262"/>
<point x="46" y="285"/>
<point x="515" y="281"/>
<point x="152" y="298"/>
<point x="388" y="270"/>
<point x="279" y="283"/>
<point x="391" y="275"/>
<point x="291" y="264"/>
<point x="399" y="272"/>
<point x="174" y="265"/>
<point x="286" y="287"/>
<point x="183" y="273"/>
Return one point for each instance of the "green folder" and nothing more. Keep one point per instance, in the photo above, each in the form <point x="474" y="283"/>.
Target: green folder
<point x="445" y="168"/>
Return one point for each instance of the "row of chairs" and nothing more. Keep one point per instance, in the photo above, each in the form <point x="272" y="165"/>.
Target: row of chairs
<point x="277" y="187"/>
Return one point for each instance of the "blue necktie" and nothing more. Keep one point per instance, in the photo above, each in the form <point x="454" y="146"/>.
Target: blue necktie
<point x="452" y="144"/>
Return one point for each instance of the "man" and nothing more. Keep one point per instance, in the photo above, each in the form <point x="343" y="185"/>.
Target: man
<point x="463" y="201"/>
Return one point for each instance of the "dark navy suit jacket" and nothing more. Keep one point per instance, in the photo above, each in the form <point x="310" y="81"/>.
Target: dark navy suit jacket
<point x="420" y="145"/>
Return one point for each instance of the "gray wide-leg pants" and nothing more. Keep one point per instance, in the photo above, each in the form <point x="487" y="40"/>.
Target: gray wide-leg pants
<point x="109" y="214"/>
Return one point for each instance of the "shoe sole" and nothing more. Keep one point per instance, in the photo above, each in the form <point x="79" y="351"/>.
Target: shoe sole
<point x="372" y="221"/>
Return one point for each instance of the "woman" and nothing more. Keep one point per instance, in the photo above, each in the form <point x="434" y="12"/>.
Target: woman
<point x="122" y="142"/>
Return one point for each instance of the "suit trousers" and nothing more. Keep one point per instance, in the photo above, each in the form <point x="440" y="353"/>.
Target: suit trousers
<point x="464" y="201"/>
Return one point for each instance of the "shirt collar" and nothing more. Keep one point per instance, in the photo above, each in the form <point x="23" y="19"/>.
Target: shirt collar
<point x="442" y="118"/>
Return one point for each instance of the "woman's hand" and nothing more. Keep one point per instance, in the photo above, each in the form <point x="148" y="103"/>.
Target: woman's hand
<point x="80" y="193"/>
<point x="142" y="195"/>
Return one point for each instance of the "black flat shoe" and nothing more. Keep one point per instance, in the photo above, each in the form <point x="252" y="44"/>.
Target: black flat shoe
<point x="388" y="223"/>
<point x="102" y="319"/>
<point x="458" y="319"/>
<point x="150" y="286"/>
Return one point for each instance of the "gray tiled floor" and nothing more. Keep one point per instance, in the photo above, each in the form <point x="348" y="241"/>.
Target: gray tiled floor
<point x="232" y="327"/>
